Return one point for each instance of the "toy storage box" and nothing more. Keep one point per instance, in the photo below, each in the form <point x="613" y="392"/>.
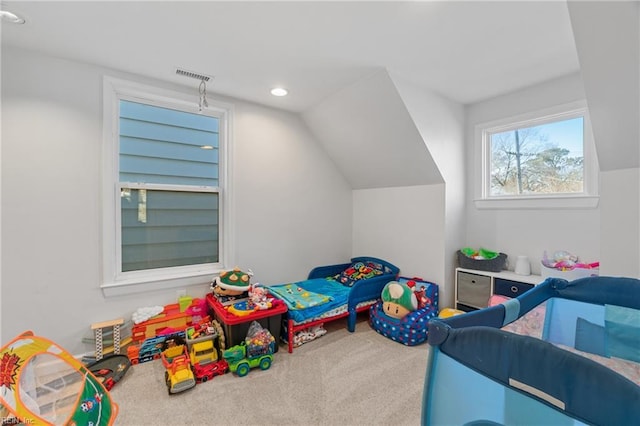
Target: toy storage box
<point x="235" y="327"/>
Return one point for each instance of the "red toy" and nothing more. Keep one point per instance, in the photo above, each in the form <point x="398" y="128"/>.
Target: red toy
<point x="204" y="372"/>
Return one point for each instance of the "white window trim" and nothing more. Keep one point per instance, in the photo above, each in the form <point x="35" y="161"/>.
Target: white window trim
<point x="588" y="199"/>
<point x="115" y="283"/>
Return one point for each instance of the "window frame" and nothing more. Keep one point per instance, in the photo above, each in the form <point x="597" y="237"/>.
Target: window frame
<point x="587" y="199"/>
<point x="114" y="281"/>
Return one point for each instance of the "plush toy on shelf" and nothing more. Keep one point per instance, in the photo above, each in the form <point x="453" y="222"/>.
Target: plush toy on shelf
<point x="398" y="299"/>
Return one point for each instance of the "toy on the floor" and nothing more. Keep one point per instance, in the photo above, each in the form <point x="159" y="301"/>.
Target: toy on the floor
<point x="206" y="362"/>
<point x="256" y="351"/>
<point x="148" y="336"/>
<point x="172" y="317"/>
<point x="398" y="299"/>
<point x="449" y="312"/>
<point x="412" y="328"/>
<point x="98" y="328"/>
<point x="42" y="384"/>
<point x="108" y="336"/>
<point x="178" y="375"/>
<point x="111" y="369"/>
<point x="308" y="334"/>
<point x="145" y="313"/>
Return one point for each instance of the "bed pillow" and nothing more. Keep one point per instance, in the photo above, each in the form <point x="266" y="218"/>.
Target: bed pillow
<point x="590" y="337"/>
<point x="359" y="271"/>
<point x="622" y="326"/>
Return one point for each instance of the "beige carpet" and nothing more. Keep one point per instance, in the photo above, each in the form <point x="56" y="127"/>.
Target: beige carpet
<point x="342" y="378"/>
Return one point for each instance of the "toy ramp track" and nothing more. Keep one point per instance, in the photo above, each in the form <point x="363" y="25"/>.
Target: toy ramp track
<point x="42" y="384"/>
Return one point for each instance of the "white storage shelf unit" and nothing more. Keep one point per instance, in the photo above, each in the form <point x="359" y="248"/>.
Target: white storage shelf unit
<point x="474" y="288"/>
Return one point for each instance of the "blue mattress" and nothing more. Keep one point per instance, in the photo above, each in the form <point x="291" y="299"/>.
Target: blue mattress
<point x="336" y="292"/>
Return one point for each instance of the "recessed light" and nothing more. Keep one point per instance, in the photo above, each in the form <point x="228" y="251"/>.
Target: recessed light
<point x="279" y="91"/>
<point x="7" y="16"/>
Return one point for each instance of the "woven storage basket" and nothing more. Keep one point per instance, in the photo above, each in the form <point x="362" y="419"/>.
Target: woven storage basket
<point x="496" y="264"/>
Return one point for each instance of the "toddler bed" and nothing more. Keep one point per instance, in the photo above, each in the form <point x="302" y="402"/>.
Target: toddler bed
<point x="576" y="362"/>
<point x="333" y="292"/>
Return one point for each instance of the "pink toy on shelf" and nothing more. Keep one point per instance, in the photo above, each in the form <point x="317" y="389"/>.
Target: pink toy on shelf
<point x="565" y="261"/>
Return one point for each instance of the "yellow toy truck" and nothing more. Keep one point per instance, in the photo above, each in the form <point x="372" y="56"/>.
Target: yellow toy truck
<point x="178" y="375"/>
<point x="203" y="353"/>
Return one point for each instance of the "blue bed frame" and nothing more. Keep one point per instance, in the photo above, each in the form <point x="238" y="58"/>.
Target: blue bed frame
<point x="362" y="291"/>
<point x="478" y="374"/>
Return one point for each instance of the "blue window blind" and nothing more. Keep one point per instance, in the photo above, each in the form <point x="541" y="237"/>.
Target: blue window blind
<point x="177" y="226"/>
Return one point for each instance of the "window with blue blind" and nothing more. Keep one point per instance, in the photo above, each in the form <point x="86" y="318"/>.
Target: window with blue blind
<point x="168" y="172"/>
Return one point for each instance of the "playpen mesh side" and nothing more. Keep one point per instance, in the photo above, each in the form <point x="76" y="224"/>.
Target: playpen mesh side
<point x="467" y="397"/>
<point x="483" y="373"/>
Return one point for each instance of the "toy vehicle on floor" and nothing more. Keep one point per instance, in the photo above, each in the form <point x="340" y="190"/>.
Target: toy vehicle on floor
<point x="178" y="375"/>
<point x="204" y="372"/>
<point x="240" y="361"/>
<point x="203" y="353"/>
<point x="151" y="348"/>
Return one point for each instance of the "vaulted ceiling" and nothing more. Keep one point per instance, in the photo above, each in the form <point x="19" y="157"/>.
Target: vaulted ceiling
<point x="466" y="51"/>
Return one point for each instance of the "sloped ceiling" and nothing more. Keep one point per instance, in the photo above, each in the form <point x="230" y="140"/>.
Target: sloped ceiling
<point x="330" y="55"/>
<point x="607" y="36"/>
<point x="368" y="132"/>
<point x="464" y="50"/>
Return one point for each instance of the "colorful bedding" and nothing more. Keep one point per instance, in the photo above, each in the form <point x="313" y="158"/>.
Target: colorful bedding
<point x="350" y="287"/>
<point x="311" y="298"/>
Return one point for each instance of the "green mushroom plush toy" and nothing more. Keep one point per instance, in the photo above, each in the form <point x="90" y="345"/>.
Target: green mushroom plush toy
<point x="398" y="299"/>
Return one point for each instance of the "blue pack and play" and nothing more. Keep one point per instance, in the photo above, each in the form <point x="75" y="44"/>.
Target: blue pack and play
<point x="413" y="328"/>
<point x="583" y="369"/>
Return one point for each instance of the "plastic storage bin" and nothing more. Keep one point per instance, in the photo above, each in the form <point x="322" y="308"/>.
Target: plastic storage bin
<point x="235" y="328"/>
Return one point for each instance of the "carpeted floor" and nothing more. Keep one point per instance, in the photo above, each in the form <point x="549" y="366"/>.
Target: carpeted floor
<point x="342" y="378"/>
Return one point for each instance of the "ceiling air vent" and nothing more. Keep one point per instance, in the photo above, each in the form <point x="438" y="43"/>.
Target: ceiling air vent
<point x="197" y="76"/>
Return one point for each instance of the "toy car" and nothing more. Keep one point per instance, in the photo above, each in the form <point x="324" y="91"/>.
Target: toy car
<point x="204" y="372"/>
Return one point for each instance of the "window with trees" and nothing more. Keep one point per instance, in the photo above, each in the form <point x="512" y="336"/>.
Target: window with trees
<point x="541" y="156"/>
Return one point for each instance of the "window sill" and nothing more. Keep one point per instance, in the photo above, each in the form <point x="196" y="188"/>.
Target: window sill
<point x="538" y="203"/>
<point x="147" y="284"/>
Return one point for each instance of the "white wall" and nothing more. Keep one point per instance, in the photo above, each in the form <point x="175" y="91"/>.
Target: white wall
<point x="366" y="129"/>
<point x="293" y="208"/>
<point x="529" y="232"/>
<point x="392" y="140"/>
<point x="609" y="54"/>
<point x="440" y="122"/>
<point x="404" y="225"/>
<point x="620" y="227"/>
<point x="396" y="142"/>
